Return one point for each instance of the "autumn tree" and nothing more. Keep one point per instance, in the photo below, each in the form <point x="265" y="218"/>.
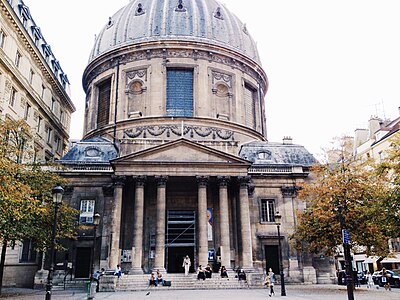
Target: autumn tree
<point x="347" y="193"/>
<point x="26" y="208"/>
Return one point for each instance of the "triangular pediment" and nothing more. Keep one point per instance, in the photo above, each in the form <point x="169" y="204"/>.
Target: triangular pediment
<point x="179" y="156"/>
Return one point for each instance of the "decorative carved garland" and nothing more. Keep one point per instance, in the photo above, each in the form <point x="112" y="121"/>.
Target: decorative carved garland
<point x="190" y="130"/>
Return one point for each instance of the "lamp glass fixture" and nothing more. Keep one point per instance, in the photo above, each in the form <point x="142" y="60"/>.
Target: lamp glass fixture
<point x="57" y="192"/>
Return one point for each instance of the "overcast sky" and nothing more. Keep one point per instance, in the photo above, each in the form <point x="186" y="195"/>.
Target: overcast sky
<point x="331" y="64"/>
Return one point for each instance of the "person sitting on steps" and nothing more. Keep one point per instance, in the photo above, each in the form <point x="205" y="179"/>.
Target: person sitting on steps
<point x="223" y="272"/>
<point x="201" y="273"/>
<point x="152" y="280"/>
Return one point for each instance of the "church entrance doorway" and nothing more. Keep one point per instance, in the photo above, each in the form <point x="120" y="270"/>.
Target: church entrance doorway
<point x="272" y="258"/>
<point x="180" y="239"/>
<point x="82" y="262"/>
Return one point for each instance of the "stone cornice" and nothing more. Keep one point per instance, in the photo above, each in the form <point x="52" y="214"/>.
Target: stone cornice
<point x="173" y="49"/>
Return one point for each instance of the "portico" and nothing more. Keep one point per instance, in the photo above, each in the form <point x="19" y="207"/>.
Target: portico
<point x="180" y="176"/>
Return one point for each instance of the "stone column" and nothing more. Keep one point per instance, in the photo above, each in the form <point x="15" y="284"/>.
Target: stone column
<point x="137" y="249"/>
<point x="225" y="246"/>
<point x="202" y="217"/>
<point x="159" y="261"/>
<point x="115" y="252"/>
<point x="247" y="257"/>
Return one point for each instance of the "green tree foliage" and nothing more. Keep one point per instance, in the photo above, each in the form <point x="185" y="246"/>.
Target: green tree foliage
<point x="26" y="208"/>
<point x="347" y="194"/>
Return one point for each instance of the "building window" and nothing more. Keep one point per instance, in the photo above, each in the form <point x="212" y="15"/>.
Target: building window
<point x="17" y="59"/>
<point x="180" y="92"/>
<point x="87" y="211"/>
<point x="2" y="39"/>
<point x="13" y="97"/>
<point x="62" y="116"/>
<point x="42" y="92"/>
<point x="53" y="104"/>
<point x="31" y="75"/>
<point x="28" y="253"/>
<point x="49" y="135"/>
<point x="57" y="141"/>
<point x="103" y="104"/>
<point x="27" y="111"/>
<point x="250" y="96"/>
<point x="39" y="124"/>
<point x="24" y="20"/>
<point x="267" y="210"/>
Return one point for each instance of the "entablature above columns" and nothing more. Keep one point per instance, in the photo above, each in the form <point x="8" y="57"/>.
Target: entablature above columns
<point x="180" y="158"/>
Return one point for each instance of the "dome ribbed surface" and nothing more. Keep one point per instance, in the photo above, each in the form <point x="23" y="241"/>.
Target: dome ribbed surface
<point x="205" y="21"/>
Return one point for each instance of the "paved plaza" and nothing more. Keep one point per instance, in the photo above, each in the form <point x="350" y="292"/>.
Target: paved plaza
<point x="294" y="292"/>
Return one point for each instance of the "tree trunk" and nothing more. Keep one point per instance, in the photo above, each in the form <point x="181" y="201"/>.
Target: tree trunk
<point x="2" y="262"/>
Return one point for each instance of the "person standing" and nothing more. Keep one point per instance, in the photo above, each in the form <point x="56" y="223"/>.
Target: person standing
<point x="186" y="264"/>
<point x="272" y="279"/>
<point x="370" y="281"/>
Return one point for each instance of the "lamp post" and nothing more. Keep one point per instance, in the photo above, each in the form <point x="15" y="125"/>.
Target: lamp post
<point x="96" y="222"/>
<point x="278" y="218"/>
<point x="57" y="192"/>
<point x="347" y="255"/>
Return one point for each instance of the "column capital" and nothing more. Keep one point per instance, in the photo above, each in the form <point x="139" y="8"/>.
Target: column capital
<point x="223" y="180"/>
<point x="202" y="181"/>
<point x="118" y="180"/>
<point x="161" y="180"/>
<point x="139" y="180"/>
<point x="244" y="181"/>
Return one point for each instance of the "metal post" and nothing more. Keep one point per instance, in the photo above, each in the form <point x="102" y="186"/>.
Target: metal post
<point x="347" y="257"/>
<point x="283" y="290"/>
<point x="49" y="284"/>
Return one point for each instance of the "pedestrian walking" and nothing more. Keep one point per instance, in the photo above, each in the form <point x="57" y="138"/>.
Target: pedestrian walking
<point x="186" y="264"/>
<point x="271" y="279"/>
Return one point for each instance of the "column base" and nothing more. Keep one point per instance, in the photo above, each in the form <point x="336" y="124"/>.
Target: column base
<point x="136" y="271"/>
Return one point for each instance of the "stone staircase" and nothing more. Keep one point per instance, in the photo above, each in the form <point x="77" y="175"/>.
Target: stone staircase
<point x="178" y="282"/>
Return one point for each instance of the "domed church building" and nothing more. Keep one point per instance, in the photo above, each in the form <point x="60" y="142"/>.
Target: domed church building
<point x="175" y="156"/>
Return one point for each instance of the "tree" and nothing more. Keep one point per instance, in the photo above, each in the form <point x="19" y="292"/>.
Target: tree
<point x="348" y="193"/>
<point x="26" y="210"/>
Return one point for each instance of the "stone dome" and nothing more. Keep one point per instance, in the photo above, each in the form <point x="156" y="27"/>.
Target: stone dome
<point x="198" y="21"/>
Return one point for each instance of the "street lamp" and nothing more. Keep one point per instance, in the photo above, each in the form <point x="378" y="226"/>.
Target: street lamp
<point x="57" y="192"/>
<point x="96" y="222"/>
<point x="278" y="218"/>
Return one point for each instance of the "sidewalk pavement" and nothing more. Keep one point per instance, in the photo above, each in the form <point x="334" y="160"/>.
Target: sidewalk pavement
<point x="293" y="292"/>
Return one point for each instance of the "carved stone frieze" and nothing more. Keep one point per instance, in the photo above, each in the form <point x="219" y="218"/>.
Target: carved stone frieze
<point x="289" y="191"/>
<point x="176" y="130"/>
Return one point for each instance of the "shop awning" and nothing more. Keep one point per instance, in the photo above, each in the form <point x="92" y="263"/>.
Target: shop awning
<point x="391" y="259"/>
<point x="370" y="260"/>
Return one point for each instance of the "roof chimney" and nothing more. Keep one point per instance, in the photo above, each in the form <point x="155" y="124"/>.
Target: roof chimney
<point x="287" y="140"/>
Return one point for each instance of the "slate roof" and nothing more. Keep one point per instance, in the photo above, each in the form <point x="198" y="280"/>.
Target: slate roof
<point x="276" y="154"/>
<point x="95" y="150"/>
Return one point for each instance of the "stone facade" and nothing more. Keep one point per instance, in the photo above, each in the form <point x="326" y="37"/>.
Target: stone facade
<point x="175" y="156"/>
<point x="33" y="87"/>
